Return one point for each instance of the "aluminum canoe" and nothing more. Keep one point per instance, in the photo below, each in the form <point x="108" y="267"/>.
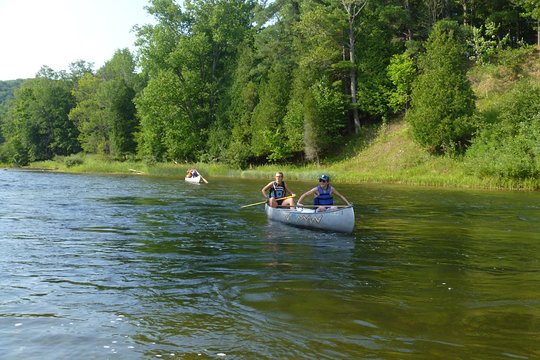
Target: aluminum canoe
<point x="340" y="219"/>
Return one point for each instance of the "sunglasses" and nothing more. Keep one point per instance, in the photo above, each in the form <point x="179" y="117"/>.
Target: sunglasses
<point x="321" y="180"/>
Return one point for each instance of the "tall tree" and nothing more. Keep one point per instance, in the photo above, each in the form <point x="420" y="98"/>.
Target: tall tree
<point x="353" y="8"/>
<point x="244" y="97"/>
<point x="105" y="113"/>
<point x="199" y="46"/>
<point x="442" y="98"/>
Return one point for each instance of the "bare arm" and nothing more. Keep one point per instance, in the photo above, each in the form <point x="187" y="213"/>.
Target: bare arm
<point x="340" y="196"/>
<point x="265" y="189"/>
<point x="310" y="192"/>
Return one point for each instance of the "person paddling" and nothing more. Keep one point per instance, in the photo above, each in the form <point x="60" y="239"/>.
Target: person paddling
<point x="323" y="194"/>
<point x="278" y="189"/>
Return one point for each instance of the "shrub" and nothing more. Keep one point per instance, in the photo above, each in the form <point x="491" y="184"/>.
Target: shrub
<point x="509" y="148"/>
<point x="71" y="160"/>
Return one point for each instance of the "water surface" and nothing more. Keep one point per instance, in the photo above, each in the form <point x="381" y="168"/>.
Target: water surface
<point x="128" y="267"/>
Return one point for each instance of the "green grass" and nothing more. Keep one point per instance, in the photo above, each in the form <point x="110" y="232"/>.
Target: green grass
<point x="390" y="156"/>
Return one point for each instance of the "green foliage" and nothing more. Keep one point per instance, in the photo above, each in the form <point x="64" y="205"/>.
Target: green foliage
<point x="509" y="148"/>
<point x="531" y="9"/>
<point x="37" y="125"/>
<point x="244" y="97"/>
<point x="166" y="131"/>
<point x="267" y="126"/>
<point x="442" y="98"/>
<point x="375" y="51"/>
<point x="105" y="113"/>
<point x="513" y="61"/>
<point x="7" y="94"/>
<point x="7" y="90"/>
<point x="192" y="54"/>
<point x="484" y="43"/>
<point x="72" y="160"/>
<point x="401" y="72"/>
<point x="324" y="109"/>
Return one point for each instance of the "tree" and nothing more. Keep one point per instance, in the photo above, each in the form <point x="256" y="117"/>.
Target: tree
<point x="266" y="127"/>
<point x="199" y="46"/>
<point x="401" y="72"/>
<point x="244" y="97"/>
<point x="353" y="9"/>
<point x="37" y="125"/>
<point x="322" y="130"/>
<point x="105" y="112"/>
<point x="442" y="98"/>
<point x="532" y="10"/>
<point x="167" y="131"/>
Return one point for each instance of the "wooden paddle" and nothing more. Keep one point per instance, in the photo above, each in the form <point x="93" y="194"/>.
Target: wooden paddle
<point x="264" y="202"/>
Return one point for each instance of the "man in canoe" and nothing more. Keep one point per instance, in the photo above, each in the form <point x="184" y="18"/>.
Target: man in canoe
<point x="323" y="194"/>
<point x="278" y="190"/>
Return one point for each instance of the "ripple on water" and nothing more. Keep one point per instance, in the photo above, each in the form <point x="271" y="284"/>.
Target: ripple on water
<point x="131" y="267"/>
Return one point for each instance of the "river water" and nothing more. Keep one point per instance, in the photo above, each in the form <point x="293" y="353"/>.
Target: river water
<point x="129" y="267"/>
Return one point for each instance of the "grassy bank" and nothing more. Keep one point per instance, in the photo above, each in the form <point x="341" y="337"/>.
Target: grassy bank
<point x="389" y="157"/>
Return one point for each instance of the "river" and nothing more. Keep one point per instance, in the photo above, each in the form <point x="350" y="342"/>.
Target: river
<point x="131" y="267"/>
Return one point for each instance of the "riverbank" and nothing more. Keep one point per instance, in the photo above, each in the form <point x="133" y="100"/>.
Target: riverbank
<point x="390" y="157"/>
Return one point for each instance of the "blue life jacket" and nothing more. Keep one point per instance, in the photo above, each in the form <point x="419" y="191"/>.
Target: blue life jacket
<point x="278" y="191"/>
<point x="324" y="197"/>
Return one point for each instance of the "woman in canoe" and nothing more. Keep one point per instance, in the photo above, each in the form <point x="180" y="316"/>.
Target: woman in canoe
<point x="323" y="194"/>
<point x="278" y="190"/>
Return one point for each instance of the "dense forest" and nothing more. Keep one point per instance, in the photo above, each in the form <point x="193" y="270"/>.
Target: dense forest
<point x="248" y="82"/>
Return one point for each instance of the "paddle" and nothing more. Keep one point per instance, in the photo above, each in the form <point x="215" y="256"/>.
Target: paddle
<point x="263" y="202"/>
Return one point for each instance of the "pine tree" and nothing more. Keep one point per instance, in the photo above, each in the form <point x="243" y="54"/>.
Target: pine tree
<point x="442" y="98"/>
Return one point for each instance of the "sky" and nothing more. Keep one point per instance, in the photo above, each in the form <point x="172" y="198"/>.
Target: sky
<point x="56" y="33"/>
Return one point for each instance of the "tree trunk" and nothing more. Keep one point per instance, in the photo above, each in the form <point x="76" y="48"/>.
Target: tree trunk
<point x="465" y="13"/>
<point x="408" y="33"/>
<point x="353" y="9"/>
<point x="352" y="59"/>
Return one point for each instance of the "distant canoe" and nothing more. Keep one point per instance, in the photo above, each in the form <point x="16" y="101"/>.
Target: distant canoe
<point x="195" y="179"/>
<point x="340" y="219"/>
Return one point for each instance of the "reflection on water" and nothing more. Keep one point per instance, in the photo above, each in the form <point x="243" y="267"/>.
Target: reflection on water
<point x="130" y="267"/>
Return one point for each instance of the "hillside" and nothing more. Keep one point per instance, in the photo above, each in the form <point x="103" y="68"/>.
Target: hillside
<point x="393" y="157"/>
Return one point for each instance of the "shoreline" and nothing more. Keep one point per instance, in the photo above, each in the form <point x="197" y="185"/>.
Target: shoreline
<point x="92" y="165"/>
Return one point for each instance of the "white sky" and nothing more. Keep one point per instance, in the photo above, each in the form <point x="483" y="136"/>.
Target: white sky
<point x="57" y="33"/>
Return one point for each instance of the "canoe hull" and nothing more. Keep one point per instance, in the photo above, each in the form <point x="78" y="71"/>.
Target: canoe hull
<point x="195" y="180"/>
<point x="338" y="220"/>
